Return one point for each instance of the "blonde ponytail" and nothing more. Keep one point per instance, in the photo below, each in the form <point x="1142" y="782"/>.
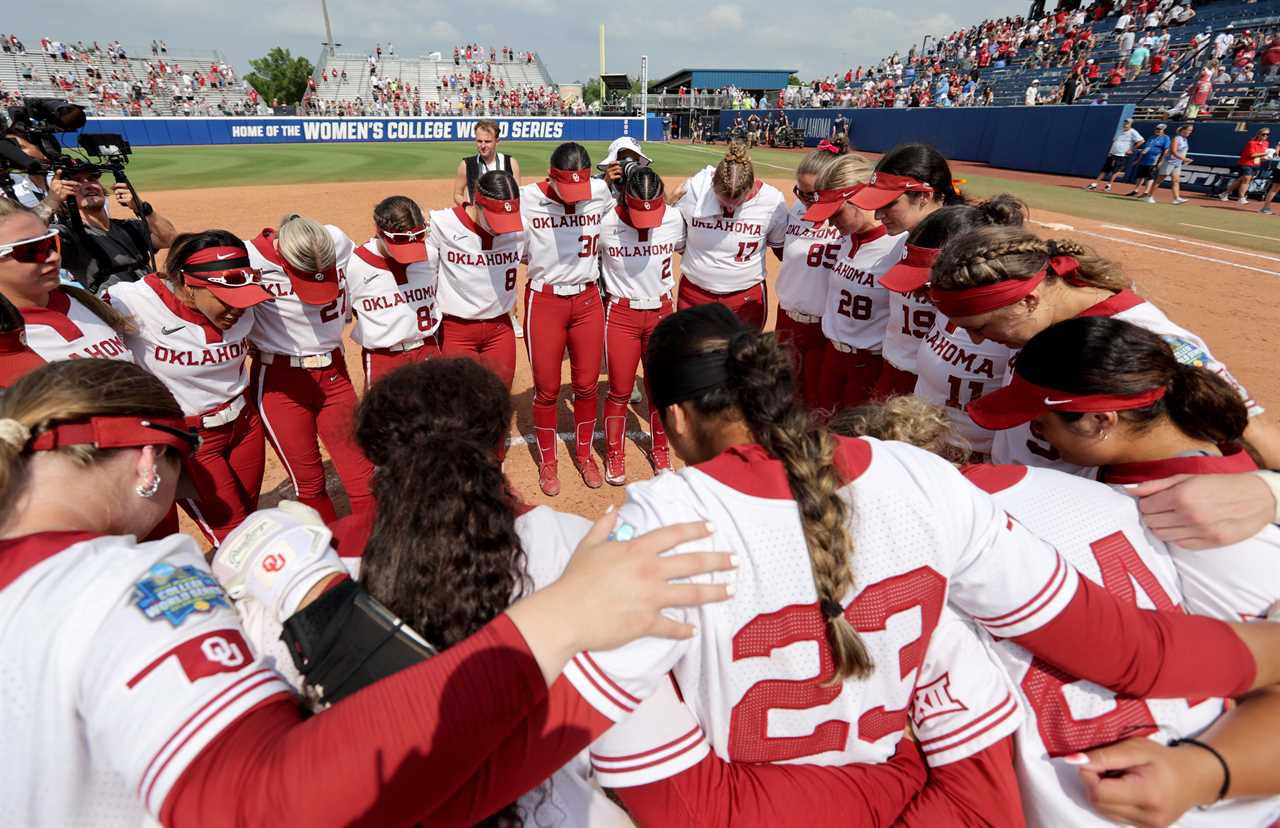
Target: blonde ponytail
<point x="306" y="244"/>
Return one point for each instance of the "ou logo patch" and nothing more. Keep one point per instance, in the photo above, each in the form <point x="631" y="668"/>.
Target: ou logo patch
<point x="319" y="277"/>
<point x="873" y="178"/>
<point x="274" y="563"/>
<point x="506" y="205"/>
<point x="576" y="178"/>
<point x="221" y="651"/>
<point x="647" y="207"/>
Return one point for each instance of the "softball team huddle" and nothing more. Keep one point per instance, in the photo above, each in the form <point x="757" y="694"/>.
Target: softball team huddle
<point x="943" y="606"/>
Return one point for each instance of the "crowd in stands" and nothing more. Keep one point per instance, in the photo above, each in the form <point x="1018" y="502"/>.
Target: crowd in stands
<point x="106" y="81"/>
<point x="1136" y="36"/>
<point x="477" y="83"/>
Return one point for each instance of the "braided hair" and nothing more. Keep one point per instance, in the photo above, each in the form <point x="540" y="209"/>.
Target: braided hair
<point x="989" y="255"/>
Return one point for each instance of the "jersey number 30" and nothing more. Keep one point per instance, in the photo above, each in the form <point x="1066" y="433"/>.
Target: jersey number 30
<point x="869" y="613"/>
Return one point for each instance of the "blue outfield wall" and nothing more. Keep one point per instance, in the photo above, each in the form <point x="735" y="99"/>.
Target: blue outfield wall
<point x="1066" y="140"/>
<point x="153" y="132"/>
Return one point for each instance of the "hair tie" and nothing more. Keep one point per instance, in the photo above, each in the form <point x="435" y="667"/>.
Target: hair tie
<point x="831" y="610"/>
<point x="14" y="433"/>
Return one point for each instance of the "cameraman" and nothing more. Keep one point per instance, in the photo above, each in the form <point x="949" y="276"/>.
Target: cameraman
<point x="623" y="154"/>
<point x="100" y="250"/>
<point x="36" y="191"/>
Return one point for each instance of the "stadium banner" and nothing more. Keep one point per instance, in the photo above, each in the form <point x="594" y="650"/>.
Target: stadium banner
<point x="1063" y="140"/>
<point x="152" y="132"/>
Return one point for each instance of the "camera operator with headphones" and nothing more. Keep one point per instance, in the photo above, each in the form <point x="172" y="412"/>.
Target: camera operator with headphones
<point x="100" y="250"/>
<point x="35" y="190"/>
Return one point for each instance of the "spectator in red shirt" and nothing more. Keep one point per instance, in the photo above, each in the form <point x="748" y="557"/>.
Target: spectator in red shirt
<point x="1251" y="157"/>
<point x="1116" y="76"/>
<point x="1200" y="93"/>
<point x="1271" y="58"/>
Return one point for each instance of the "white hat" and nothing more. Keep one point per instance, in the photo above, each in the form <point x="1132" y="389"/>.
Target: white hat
<point x="620" y="144"/>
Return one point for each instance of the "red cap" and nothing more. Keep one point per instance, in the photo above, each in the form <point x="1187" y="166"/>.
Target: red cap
<point x="645" y="214"/>
<point x="572" y="185"/>
<point x="311" y="287"/>
<point x="405" y="246"/>
<point x="912" y="273"/>
<point x="883" y="188"/>
<point x="502" y="215"/>
<point x="1022" y="401"/>
<point x="226" y="273"/>
<point x="828" y="202"/>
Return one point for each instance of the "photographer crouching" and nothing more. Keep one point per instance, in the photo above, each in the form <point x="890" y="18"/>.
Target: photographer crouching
<point x="100" y="250"/>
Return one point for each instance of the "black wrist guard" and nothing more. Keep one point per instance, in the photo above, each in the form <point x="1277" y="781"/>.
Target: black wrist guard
<point x="345" y="640"/>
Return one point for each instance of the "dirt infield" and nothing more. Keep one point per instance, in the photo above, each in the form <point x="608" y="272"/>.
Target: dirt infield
<point x="1229" y="296"/>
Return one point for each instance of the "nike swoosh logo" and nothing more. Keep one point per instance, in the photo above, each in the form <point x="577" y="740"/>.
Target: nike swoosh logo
<point x="228" y="256"/>
<point x="369" y="279"/>
<point x="457" y="236"/>
<point x="1048" y="401"/>
<point x="168" y="331"/>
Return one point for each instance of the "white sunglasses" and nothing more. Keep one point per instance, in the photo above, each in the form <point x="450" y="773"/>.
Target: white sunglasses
<point x="35" y="249"/>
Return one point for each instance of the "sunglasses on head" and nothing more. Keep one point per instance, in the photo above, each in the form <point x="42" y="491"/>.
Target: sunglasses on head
<point x="227" y="278"/>
<point x="805" y="198"/>
<point x="404" y="236"/>
<point x="29" y="251"/>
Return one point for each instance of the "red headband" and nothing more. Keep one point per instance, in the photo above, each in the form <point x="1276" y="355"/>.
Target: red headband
<point x="1021" y="401"/>
<point x="964" y="302"/>
<point x="571" y="176"/>
<point x="216" y="259"/>
<point x="119" y="432"/>
<point x="827" y="146"/>
<point x="498" y="205"/>
<point x="905" y="183"/>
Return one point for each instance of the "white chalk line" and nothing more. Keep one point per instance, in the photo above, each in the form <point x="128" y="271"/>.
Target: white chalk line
<point x="639" y="437"/>
<point x="1181" y="240"/>
<point x="1178" y="252"/>
<point x="713" y="152"/>
<point x="1224" y="230"/>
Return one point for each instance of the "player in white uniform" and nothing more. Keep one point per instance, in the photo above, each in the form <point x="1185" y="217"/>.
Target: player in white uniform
<point x="1099" y="531"/>
<point x="638" y="243"/>
<point x="857" y="305"/>
<point x="1008" y="285"/>
<point x="949" y="365"/>
<point x="1110" y="394"/>
<point x="916" y="526"/>
<point x="476" y="251"/>
<point x="62" y="322"/>
<point x="193" y="324"/>
<point x="136" y="698"/>
<point x="393" y="291"/>
<point x="562" y="309"/>
<point x="733" y="219"/>
<point x="300" y="383"/>
<point x="807" y="254"/>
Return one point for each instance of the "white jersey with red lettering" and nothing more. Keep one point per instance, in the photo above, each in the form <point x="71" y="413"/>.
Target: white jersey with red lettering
<point x="952" y="371"/>
<point x="911" y="317"/>
<point x="123" y="661"/>
<point x="725" y="251"/>
<point x="66" y="329"/>
<point x="393" y="304"/>
<point x="756" y="673"/>
<point x="638" y="264"/>
<point x="563" y="239"/>
<point x="857" y="305"/>
<point x="1238" y="582"/>
<point x="203" y="367"/>
<point x="476" y="270"/>
<point x="1099" y="531"/>
<point x="962" y="704"/>
<point x="807" y="253"/>
<point x="1019" y="445"/>
<point x="287" y="325"/>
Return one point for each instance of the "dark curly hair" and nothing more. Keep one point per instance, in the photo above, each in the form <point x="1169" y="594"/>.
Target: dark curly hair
<point x="443" y="554"/>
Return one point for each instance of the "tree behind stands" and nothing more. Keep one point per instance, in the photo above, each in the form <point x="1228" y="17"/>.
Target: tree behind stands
<point x="279" y="76"/>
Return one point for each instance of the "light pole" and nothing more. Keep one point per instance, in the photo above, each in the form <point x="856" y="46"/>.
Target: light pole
<point x="644" y="95"/>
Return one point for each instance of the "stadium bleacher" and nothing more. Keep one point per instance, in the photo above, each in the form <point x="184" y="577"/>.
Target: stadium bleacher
<point x="115" y="80"/>
<point x="1157" y="94"/>
<point x="387" y="84"/>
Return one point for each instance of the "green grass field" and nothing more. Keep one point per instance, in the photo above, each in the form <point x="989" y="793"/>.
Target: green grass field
<point x="171" y="168"/>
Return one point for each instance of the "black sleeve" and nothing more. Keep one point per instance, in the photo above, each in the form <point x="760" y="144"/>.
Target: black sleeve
<point x="75" y="260"/>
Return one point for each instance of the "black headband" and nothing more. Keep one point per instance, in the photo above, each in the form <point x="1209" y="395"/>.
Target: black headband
<point x="238" y="263"/>
<point x="689" y="378"/>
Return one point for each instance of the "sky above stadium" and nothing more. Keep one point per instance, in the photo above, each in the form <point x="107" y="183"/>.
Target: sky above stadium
<point x="814" y="38"/>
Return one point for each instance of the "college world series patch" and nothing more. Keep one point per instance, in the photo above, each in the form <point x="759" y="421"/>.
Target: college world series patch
<point x="175" y="592"/>
<point x="1187" y="352"/>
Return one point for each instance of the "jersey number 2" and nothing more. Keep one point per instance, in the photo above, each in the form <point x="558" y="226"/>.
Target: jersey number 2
<point x="869" y="613"/>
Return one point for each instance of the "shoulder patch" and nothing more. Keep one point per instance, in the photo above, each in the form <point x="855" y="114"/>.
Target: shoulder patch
<point x="1188" y="352"/>
<point x="175" y="592"/>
